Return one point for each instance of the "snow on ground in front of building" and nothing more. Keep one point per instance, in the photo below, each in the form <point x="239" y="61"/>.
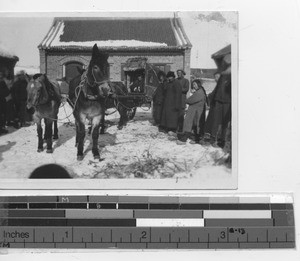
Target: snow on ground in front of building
<point x="136" y="151"/>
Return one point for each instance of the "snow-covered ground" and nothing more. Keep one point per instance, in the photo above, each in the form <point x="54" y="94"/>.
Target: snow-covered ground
<point x="137" y="151"/>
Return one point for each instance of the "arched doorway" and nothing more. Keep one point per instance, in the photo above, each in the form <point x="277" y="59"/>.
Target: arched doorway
<point x="72" y="69"/>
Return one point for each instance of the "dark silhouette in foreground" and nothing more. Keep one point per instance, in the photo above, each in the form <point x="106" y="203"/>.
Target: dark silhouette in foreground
<point x="50" y="171"/>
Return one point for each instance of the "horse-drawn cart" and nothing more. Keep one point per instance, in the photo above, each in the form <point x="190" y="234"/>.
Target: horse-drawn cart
<point x="140" y="83"/>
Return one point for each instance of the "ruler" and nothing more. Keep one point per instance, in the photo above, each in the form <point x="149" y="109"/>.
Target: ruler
<point x="147" y="222"/>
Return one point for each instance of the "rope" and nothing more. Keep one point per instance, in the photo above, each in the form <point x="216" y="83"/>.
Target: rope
<point x="107" y="114"/>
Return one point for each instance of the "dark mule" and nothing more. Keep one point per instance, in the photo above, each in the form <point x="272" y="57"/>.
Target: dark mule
<point x="87" y="94"/>
<point x="117" y="88"/>
<point x="44" y="97"/>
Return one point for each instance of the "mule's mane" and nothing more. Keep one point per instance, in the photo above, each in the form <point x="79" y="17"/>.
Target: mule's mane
<point x="37" y="75"/>
<point x="46" y="80"/>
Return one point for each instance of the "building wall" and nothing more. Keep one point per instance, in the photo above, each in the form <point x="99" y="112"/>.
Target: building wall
<point x="43" y="61"/>
<point x="187" y="63"/>
<point x="53" y="63"/>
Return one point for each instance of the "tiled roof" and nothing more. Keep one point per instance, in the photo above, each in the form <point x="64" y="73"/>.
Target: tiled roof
<point x="116" y="33"/>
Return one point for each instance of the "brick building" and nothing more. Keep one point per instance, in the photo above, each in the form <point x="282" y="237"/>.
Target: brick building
<point x="68" y="44"/>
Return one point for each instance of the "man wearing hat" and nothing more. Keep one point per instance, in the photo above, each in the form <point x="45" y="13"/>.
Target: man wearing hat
<point x="63" y="85"/>
<point x="158" y="98"/>
<point x="19" y="94"/>
<point x="219" y="116"/>
<point x="172" y="104"/>
<point x="4" y="92"/>
<point x="185" y="84"/>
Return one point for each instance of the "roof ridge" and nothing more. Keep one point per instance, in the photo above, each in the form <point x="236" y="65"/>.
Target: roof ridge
<point x="78" y="18"/>
<point x="116" y="33"/>
<point x="180" y="25"/>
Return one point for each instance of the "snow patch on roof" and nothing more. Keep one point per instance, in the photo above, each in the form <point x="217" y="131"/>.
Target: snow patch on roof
<point x="4" y="52"/>
<point x="108" y="43"/>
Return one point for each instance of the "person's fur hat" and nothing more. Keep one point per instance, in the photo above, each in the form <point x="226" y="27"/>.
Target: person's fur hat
<point x="181" y="70"/>
<point x="170" y="74"/>
<point x="161" y="73"/>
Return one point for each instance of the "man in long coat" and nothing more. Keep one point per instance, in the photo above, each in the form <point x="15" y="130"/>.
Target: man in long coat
<point x="219" y="116"/>
<point x="4" y="92"/>
<point x="158" y="98"/>
<point x="172" y="104"/>
<point x="185" y="85"/>
<point x="19" y="94"/>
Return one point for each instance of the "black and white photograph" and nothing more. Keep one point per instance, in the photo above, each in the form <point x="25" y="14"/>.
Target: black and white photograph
<point x="122" y="100"/>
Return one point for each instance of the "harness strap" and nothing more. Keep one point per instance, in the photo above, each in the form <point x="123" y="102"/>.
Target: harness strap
<point x="84" y="80"/>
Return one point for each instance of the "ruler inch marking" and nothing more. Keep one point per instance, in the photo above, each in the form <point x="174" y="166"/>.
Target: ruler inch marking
<point x="228" y="234"/>
<point x="247" y="233"/>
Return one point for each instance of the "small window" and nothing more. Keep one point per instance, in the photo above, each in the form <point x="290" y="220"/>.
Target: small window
<point x="163" y="67"/>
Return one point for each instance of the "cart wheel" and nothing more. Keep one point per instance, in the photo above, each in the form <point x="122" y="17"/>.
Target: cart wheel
<point x="131" y="113"/>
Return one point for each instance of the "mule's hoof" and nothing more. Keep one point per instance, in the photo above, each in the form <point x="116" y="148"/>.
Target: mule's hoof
<point x="97" y="157"/>
<point x="40" y="149"/>
<point x="79" y="157"/>
<point x="55" y="137"/>
<point x="49" y="150"/>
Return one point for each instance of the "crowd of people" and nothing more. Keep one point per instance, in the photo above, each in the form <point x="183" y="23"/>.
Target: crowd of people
<point x="187" y="113"/>
<point x="182" y="110"/>
<point x="13" y="96"/>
